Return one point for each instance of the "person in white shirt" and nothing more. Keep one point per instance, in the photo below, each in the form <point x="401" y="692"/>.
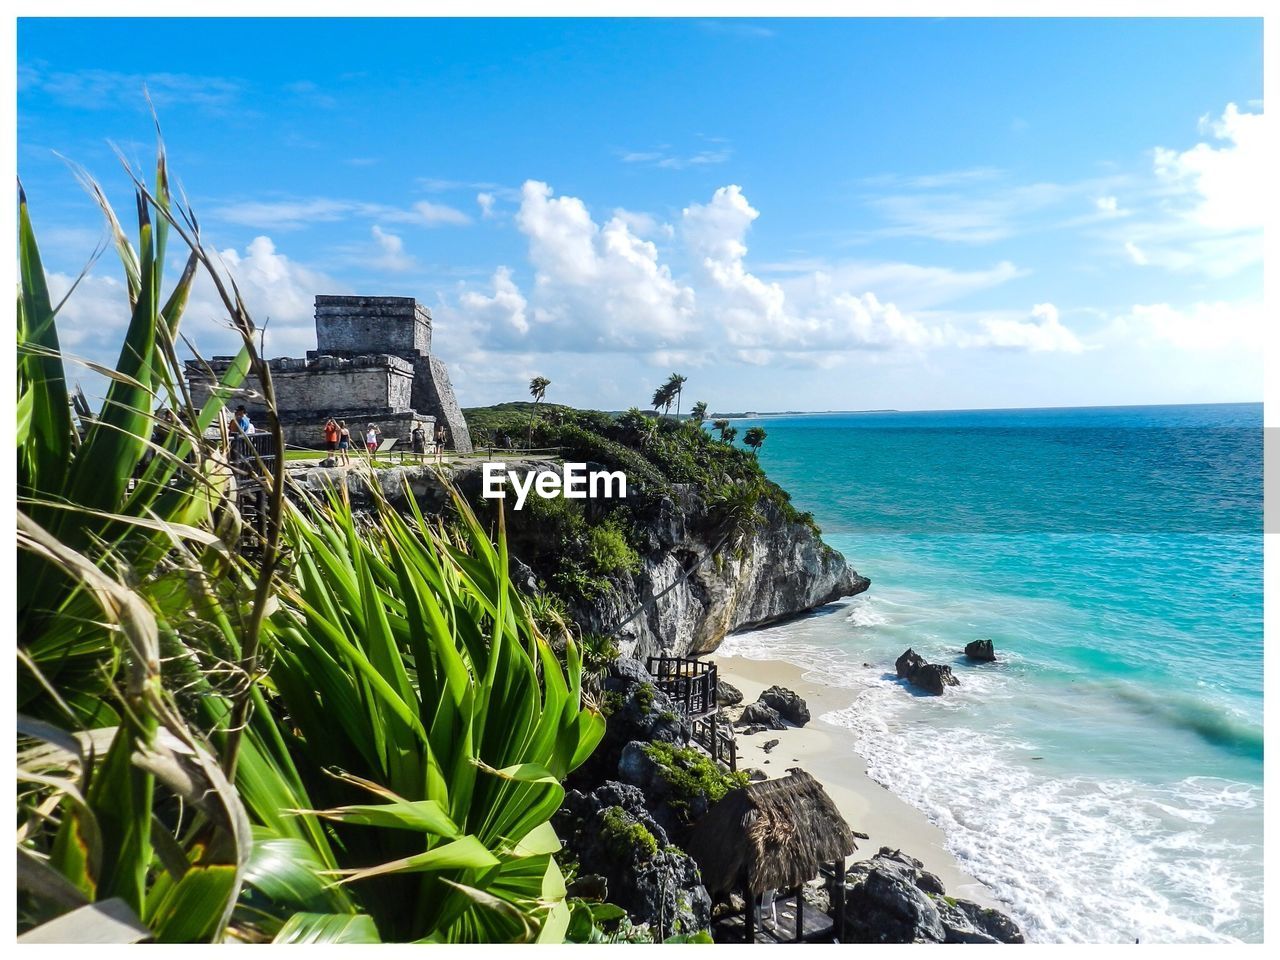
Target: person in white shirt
<point x="371" y="438"/>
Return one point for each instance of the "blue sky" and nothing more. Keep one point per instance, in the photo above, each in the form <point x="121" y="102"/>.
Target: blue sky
<point x="846" y="214"/>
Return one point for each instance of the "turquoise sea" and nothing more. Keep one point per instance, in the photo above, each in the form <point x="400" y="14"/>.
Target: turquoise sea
<point x="1104" y="778"/>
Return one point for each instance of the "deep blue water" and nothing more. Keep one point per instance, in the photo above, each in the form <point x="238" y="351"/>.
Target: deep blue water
<point x="1105" y="777"/>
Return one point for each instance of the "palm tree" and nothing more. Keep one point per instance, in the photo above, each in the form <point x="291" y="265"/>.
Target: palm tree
<point x="754" y="438"/>
<point x="537" y="390"/>
<point x="721" y="426"/>
<point x="728" y="433"/>
<point x="675" y="383"/>
<point x="698" y="412"/>
<point x="663" y="397"/>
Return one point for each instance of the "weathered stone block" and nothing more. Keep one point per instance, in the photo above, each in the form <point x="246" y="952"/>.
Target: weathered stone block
<point x="433" y="391"/>
<point x="352" y="325"/>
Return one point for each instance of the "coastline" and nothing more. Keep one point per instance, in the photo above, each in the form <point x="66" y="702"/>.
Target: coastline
<point x="827" y="752"/>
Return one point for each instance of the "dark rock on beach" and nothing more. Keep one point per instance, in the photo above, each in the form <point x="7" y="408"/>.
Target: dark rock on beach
<point x="983" y="650"/>
<point x="934" y="678"/>
<point x="908" y="664"/>
<point x="727" y="695"/>
<point x="760" y="712"/>
<point x="789" y="704"/>
<point x="884" y="904"/>
<point x="967" y="922"/>
<point x="931" y="677"/>
<point x="891" y="898"/>
<point x="770" y="744"/>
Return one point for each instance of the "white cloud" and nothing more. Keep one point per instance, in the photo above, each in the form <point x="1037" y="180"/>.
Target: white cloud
<point x="1210" y="203"/>
<point x="1107" y="205"/>
<point x="971" y="217"/>
<point x="1043" y="333"/>
<point x="1224" y="183"/>
<point x="290" y="214"/>
<point x="485" y="202"/>
<point x="1201" y="326"/>
<point x="1135" y="253"/>
<point x="93" y="320"/>
<point x="391" y="254"/>
<point x="278" y="292"/>
<point x="600" y="287"/>
<point x="666" y="158"/>
<point x="95" y="89"/>
<point x="433" y="214"/>
<point x="504" y="309"/>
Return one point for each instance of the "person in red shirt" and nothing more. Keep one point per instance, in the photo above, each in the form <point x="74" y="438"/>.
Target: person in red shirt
<point x="331" y="433"/>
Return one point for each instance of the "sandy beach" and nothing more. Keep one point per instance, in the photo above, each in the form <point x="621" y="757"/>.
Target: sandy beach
<point x="826" y="752"/>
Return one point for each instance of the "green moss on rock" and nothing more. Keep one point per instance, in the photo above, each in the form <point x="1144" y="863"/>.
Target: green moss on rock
<point x="691" y="775"/>
<point x="624" y="836"/>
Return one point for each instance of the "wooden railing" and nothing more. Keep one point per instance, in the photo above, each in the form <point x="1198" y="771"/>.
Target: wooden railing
<point x="691" y="685"/>
<point x="248" y="450"/>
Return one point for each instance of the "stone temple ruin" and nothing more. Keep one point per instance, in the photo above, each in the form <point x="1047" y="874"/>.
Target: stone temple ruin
<point x="372" y="364"/>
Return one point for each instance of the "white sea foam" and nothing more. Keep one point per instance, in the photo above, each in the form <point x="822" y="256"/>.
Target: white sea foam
<point x="1077" y="859"/>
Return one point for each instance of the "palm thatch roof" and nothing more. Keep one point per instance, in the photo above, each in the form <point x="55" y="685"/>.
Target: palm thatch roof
<point x="780" y="831"/>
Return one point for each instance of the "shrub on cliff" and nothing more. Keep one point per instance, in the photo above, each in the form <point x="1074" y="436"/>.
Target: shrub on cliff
<point x="609" y="550"/>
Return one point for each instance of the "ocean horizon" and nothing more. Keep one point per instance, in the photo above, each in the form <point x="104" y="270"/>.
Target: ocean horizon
<point x="1104" y="776"/>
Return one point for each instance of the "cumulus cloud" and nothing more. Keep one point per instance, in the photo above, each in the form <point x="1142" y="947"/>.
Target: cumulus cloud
<point x="1043" y="333"/>
<point x="598" y="286"/>
<point x="1225" y="182"/>
<point x="1210" y="210"/>
<point x="504" y="309"/>
<point x="607" y="286"/>
<point x="279" y="293"/>
<point x="1201" y="326"/>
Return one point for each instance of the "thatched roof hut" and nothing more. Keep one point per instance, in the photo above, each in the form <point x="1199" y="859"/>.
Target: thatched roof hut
<point x="776" y="833"/>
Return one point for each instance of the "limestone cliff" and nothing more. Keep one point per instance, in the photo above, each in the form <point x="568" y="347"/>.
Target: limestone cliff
<point x="780" y="570"/>
<point x="687" y="599"/>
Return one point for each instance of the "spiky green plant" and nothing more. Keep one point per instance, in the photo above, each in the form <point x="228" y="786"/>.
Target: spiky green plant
<point x="129" y="826"/>
<point x="430" y="722"/>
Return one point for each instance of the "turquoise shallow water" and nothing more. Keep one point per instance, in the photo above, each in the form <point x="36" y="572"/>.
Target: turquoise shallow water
<point x="1105" y="777"/>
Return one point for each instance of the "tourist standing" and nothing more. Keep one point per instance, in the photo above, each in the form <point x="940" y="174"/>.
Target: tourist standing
<point x="441" y="436"/>
<point x="371" y="439"/>
<point x="331" y="436"/>
<point x="344" y="442"/>
<point x="242" y="421"/>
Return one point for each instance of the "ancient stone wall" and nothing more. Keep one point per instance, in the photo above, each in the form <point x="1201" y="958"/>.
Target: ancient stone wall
<point x="376" y="384"/>
<point x="347" y="326"/>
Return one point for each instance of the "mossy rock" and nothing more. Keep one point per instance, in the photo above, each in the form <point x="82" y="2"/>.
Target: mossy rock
<point x="694" y="782"/>
<point x="626" y="837"/>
